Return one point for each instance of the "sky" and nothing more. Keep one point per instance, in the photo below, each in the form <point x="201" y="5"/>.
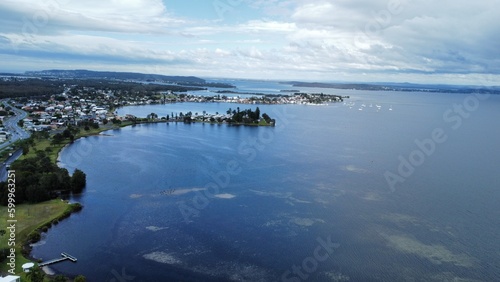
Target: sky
<point x="418" y="41"/>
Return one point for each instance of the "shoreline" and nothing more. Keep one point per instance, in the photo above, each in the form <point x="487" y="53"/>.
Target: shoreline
<point x="35" y="234"/>
<point x="23" y="251"/>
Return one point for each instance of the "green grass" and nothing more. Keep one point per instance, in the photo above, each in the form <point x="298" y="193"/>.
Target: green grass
<point x="29" y="218"/>
<point x="41" y="145"/>
<point x="263" y="122"/>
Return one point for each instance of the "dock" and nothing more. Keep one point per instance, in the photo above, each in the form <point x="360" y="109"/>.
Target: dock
<point x="64" y="256"/>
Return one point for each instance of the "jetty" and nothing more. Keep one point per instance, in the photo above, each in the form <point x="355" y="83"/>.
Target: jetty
<point x="64" y="256"/>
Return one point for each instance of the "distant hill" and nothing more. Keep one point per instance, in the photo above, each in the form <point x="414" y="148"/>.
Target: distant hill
<point x="116" y="75"/>
<point x="399" y="87"/>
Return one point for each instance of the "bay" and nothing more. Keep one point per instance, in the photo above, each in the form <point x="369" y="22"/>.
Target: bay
<point x="201" y="202"/>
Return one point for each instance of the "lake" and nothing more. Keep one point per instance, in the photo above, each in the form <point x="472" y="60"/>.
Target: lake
<point x="389" y="186"/>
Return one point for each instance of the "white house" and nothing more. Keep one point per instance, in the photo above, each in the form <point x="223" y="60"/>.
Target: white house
<point x="10" y="278"/>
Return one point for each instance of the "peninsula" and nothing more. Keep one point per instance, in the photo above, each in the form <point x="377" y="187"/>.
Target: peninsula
<point x="41" y="112"/>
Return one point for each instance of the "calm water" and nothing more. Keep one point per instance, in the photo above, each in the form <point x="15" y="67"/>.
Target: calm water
<point x="276" y="196"/>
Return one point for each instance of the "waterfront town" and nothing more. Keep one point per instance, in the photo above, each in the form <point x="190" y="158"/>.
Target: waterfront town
<point x="36" y="125"/>
<point x="89" y="106"/>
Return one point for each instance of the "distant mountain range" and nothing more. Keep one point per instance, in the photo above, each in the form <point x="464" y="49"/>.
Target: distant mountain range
<point x="410" y="87"/>
<point x="115" y="75"/>
<point x="199" y="82"/>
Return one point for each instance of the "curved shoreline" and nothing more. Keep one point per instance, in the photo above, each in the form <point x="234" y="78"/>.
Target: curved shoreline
<point x="34" y="235"/>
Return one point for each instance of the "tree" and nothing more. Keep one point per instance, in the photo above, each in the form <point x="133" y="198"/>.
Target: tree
<point x="266" y="117"/>
<point x="36" y="274"/>
<point x="60" y="278"/>
<point x="25" y="147"/>
<point x="66" y="133"/>
<point x="57" y="138"/>
<point x="78" y="181"/>
<point x="44" y="163"/>
<point x="49" y="181"/>
<point x="60" y="98"/>
<point x="80" y="278"/>
<point x="152" y="116"/>
<point x="35" y="194"/>
<point x="238" y="117"/>
<point x="64" y="179"/>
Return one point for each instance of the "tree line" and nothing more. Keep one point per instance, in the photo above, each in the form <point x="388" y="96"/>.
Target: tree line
<point x="39" y="180"/>
<point x="247" y="116"/>
<point x="44" y="87"/>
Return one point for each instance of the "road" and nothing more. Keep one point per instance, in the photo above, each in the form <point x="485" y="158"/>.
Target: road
<point x="10" y="125"/>
<point x="18" y="133"/>
<point x="10" y="160"/>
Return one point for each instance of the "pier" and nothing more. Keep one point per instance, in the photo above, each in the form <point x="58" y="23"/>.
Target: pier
<point x="64" y="256"/>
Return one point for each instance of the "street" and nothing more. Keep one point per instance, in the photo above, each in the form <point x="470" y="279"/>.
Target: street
<point x="11" y="125"/>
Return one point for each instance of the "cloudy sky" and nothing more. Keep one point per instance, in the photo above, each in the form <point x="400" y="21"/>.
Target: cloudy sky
<point x="421" y="41"/>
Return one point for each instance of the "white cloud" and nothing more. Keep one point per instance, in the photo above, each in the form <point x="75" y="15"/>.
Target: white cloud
<point x="359" y="39"/>
<point x="136" y="16"/>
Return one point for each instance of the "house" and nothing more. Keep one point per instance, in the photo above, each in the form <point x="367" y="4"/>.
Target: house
<point x="10" y="278"/>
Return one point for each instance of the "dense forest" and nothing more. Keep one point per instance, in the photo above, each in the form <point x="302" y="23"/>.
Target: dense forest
<point x="20" y="87"/>
<point x="87" y="74"/>
<point x="38" y="179"/>
<point x="35" y="87"/>
<point x="127" y="76"/>
<point x="248" y="116"/>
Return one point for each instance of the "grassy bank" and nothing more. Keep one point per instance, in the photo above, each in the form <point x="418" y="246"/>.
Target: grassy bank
<point x="31" y="218"/>
<point x="55" y="149"/>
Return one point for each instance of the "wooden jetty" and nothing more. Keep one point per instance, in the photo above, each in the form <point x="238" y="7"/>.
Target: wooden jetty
<point x="64" y="256"/>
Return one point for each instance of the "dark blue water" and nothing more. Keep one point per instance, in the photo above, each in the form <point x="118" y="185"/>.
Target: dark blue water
<point x="200" y="202"/>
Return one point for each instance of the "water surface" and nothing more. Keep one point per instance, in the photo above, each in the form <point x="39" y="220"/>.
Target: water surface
<point x="318" y="174"/>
